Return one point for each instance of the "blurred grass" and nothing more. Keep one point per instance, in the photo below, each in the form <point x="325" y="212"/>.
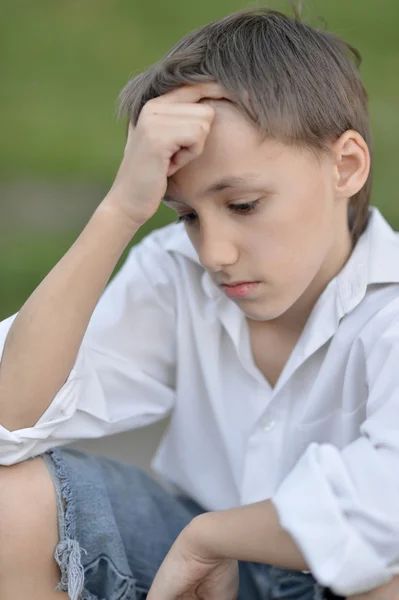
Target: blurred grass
<point x="63" y="63"/>
<point x="26" y="258"/>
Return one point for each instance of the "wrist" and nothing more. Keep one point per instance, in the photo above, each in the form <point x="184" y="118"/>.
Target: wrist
<point x="251" y="533"/>
<point x="114" y="209"/>
<point x="201" y="537"/>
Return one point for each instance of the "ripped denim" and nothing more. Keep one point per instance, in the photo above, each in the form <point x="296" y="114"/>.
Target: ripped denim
<point x="116" y="525"/>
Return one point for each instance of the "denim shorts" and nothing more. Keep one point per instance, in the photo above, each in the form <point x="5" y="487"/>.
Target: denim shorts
<point x="116" y="525"/>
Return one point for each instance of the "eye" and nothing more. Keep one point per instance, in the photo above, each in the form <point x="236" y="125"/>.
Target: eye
<point x="188" y="219"/>
<point x="244" y="208"/>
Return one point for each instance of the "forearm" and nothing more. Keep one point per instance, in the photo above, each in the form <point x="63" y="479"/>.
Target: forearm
<point x="44" y="339"/>
<point x="253" y="533"/>
<point x="248" y="533"/>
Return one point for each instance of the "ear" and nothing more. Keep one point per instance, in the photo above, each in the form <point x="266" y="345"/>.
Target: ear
<point x="351" y="163"/>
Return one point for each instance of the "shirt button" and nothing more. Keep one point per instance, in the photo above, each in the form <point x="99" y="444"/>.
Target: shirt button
<point x="268" y="424"/>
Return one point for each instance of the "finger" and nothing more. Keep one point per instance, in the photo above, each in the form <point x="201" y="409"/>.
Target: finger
<point x="190" y="149"/>
<point x="195" y="93"/>
<point x="178" y="160"/>
<point x="176" y="113"/>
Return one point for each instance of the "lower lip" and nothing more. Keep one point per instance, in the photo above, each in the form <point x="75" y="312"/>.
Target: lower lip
<point x="243" y="290"/>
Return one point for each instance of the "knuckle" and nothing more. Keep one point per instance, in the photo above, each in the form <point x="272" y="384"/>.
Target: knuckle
<point x="148" y="129"/>
<point x="149" y="105"/>
<point x="204" y="128"/>
<point x="146" y="117"/>
<point x="207" y="111"/>
<point x="201" y="131"/>
<point x="148" y="112"/>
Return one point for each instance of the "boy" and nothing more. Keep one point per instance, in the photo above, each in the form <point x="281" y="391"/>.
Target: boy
<point x="266" y="324"/>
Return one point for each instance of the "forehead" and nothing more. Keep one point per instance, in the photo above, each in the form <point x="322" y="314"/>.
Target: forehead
<point x="232" y="133"/>
<point x="234" y="147"/>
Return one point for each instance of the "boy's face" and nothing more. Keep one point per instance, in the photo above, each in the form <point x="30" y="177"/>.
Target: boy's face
<point x="279" y="226"/>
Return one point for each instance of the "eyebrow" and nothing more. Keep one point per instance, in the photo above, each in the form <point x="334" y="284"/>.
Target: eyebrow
<point x="233" y="182"/>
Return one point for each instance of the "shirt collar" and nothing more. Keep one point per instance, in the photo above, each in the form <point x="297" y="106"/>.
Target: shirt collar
<point x="383" y="263"/>
<point x="374" y="260"/>
<point x="179" y="242"/>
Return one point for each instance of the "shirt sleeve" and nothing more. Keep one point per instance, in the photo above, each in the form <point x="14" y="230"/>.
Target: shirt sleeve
<point x="124" y="373"/>
<point x="341" y="507"/>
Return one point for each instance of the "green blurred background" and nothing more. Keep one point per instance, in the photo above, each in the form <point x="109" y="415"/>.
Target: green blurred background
<point x="62" y="65"/>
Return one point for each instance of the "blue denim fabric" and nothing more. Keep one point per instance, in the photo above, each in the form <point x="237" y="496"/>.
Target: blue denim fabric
<point x="116" y="525"/>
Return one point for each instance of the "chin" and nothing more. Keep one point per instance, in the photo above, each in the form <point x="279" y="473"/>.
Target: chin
<point x="262" y="312"/>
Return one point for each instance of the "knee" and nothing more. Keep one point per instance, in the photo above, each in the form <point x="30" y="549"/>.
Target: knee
<point x="28" y="510"/>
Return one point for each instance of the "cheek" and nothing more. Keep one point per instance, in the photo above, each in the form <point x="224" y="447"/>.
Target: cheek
<point x="311" y="203"/>
<point x="310" y="220"/>
<point x="292" y="238"/>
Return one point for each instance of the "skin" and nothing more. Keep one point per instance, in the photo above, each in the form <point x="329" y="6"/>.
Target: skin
<point x="293" y="240"/>
<point x="202" y="563"/>
<point x="293" y="243"/>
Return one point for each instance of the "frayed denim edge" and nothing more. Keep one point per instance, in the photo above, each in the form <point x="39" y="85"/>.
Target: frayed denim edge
<point x="68" y="552"/>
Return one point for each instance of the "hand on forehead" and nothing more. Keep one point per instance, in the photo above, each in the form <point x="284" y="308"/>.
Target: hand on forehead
<point x="197" y="92"/>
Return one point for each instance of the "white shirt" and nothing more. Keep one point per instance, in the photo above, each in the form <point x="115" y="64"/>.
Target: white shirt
<point x="323" y="444"/>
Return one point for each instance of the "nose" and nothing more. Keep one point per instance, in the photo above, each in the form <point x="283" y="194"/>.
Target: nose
<point x="217" y="248"/>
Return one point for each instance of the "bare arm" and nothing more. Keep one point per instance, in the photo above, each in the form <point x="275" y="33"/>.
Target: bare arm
<point x="203" y="558"/>
<point x="250" y="533"/>
<point x="45" y="337"/>
<point x="253" y="533"/>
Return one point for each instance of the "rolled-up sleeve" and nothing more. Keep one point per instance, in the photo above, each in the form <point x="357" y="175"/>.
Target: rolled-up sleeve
<point x="342" y="506"/>
<point x="124" y="373"/>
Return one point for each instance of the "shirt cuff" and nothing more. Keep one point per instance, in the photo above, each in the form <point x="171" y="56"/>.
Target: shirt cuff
<point x="337" y="555"/>
<point x="21" y="444"/>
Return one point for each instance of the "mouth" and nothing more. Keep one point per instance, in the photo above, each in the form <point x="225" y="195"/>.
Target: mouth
<point x="240" y="289"/>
